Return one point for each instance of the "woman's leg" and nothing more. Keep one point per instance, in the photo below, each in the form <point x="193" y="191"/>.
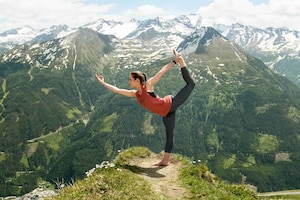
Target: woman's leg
<point x="185" y="92"/>
<point x="169" y="122"/>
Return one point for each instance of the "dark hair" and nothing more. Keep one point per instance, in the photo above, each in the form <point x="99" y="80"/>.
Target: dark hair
<point x="140" y="75"/>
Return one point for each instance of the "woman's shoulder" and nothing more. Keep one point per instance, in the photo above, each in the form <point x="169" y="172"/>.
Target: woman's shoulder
<point x="148" y="87"/>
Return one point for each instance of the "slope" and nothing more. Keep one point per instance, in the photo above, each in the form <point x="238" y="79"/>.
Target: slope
<point x="46" y="87"/>
<point x="131" y="176"/>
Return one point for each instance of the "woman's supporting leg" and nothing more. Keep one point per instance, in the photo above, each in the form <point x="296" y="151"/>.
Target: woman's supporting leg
<point x="169" y="122"/>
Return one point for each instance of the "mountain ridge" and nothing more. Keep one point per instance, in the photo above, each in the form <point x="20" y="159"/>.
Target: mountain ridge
<point x="277" y="47"/>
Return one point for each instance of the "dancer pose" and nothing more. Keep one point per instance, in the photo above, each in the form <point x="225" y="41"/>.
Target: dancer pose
<point x="143" y="91"/>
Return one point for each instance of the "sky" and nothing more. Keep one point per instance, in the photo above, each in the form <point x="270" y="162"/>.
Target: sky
<point x="40" y="14"/>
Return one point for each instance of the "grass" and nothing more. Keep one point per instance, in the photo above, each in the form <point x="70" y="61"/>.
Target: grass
<point x="116" y="180"/>
<point x="72" y="112"/>
<point x="126" y="156"/>
<point x="2" y="156"/>
<point x="53" y="140"/>
<point x="202" y="184"/>
<point x="108" y="123"/>
<point x="46" y="90"/>
<point x="111" y="183"/>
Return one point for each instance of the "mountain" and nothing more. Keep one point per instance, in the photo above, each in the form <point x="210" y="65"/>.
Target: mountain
<point x="52" y="33"/>
<point x="13" y="37"/>
<point x="176" y="29"/>
<point x="19" y="36"/>
<point x="279" y="48"/>
<point x="57" y="122"/>
<point x="42" y="93"/>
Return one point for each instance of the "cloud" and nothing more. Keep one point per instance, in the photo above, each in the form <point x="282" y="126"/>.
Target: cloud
<point x="276" y="13"/>
<point x="145" y="10"/>
<point x="37" y="13"/>
<point x="44" y="13"/>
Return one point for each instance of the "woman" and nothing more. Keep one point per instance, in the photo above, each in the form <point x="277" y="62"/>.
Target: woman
<point x="144" y="93"/>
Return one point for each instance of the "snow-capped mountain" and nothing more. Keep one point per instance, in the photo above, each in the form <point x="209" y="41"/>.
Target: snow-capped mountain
<point x="14" y="37"/>
<point x="110" y="27"/>
<point x="182" y="25"/>
<point x="279" y="48"/>
<point x="53" y="32"/>
<point x="197" y="40"/>
<point x="18" y="36"/>
<point x="146" y="41"/>
<point x="277" y="40"/>
<point x="175" y="29"/>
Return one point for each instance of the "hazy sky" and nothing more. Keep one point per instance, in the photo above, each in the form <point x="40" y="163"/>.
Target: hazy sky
<point x="44" y="13"/>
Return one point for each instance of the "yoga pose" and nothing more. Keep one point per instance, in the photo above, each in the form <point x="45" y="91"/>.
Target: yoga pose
<point x="166" y="107"/>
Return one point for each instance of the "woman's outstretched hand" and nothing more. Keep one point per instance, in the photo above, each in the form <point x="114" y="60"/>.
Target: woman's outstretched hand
<point x="177" y="56"/>
<point x="100" y="78"/>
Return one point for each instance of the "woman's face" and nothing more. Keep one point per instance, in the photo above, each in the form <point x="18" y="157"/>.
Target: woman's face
<point x="132" y="82"/>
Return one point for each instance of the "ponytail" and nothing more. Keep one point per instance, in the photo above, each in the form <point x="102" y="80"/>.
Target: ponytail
<point x="145" y="78"/>
<point x="139" y="75"/>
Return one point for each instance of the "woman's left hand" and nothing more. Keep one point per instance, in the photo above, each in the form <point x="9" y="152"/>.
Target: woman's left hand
<point x="100" y="79"/>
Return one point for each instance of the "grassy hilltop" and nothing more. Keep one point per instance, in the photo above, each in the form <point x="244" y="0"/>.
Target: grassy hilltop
<point x="132" y="176"/>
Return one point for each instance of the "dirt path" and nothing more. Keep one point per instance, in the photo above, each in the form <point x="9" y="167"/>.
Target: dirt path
<point x="279" y="193"/>
<point x="163" y="180"/>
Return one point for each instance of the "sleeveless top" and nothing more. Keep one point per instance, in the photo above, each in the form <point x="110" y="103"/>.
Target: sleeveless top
<point x="157" y="105"/>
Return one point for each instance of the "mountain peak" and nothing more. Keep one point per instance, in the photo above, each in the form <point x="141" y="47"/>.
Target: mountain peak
<point x="196" y="42"/>
<point x="85" y="34"/>
<point x="20" y="30"/>
<point x="18" y="35"/>
<point x="87" y="45"/>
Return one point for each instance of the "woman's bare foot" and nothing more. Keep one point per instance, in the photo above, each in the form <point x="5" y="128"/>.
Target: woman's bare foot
<point x="161" y="163"/>
<point x="165" y="160"/>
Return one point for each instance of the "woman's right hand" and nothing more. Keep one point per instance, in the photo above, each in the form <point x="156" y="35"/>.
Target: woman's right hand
<point x="179" y="58"/>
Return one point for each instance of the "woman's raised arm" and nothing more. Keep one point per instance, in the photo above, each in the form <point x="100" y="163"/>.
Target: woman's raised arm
<point x="153" y="80"/>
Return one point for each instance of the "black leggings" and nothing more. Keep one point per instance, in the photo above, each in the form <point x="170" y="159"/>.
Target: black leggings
<point x="177" y="100"/>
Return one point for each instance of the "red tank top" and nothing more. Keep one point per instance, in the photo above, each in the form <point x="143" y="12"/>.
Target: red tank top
<point x="158" y="105"/>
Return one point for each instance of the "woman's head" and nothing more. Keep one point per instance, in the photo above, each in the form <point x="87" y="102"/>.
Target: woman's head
<point x="137" y="75"/>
